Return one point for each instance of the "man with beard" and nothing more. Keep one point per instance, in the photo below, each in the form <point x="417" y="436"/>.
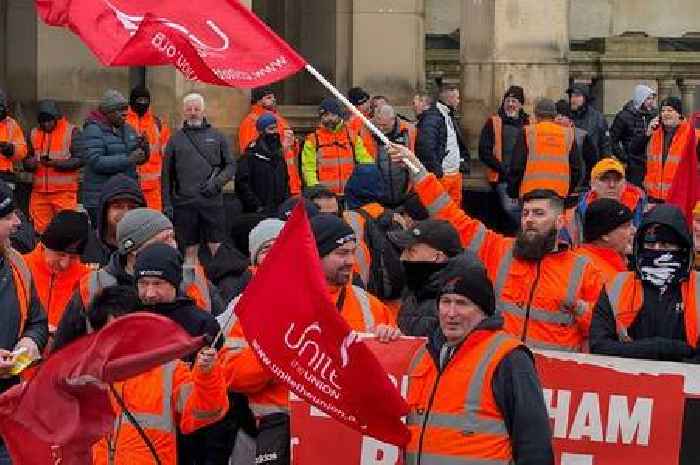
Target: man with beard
<point x="262" y="181"/>
<point x="544" y="291"/>
<point x="496" y="145"/>
<point x="652" y="311"/>
<point x="425" y="249"/>
<point x="152" y="130"/>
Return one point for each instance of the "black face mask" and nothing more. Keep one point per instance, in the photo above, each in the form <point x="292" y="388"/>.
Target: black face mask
<point x="140" y="108"/>
<point x="418" y="273"/>
<point x="661" y="268"/>
<point x="272" y="140"/>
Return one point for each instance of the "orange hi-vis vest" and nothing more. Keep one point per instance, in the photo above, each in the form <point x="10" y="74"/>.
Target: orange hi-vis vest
<point x="606" y="260"/>
<point x="162" y="400"/>
<point x="626" y="297"/>
<point x="454" y="417"/>
<point x="335" y="157"/>
<point x="23" y="281"/>
<point x="407" y="137"/>
<point x="363" y="258"/>
<point x="659" y="174"/>
<point x="266" y="396"/>
<point x="157" y="134"/>
<point x="10" y="131"/>
<point x="56" y="145"/>
<point x="547" y="166"/>
<point x="194" y="285"/>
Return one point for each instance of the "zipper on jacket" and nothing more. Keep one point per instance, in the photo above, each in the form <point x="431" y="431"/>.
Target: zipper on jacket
<point x="431" y="399"/>
<point x="523" y="338"/>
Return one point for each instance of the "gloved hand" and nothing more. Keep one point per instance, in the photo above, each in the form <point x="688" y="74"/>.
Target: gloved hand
<point x="137" y="156"/>
<point x="210" y="189"/>
<point x="7" y="149"/>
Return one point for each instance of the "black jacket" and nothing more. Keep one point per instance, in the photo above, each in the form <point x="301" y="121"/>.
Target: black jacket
<point x="593" y="121"/>
<point x="193" y="157"/>
<point x="431" y="137"/>
<point x="119" y="186"/>
<point x="418" y="312"/>
<point x="31" y="162"/>
<point x="628" y="124"/>
<point x="658" y="331"/>
<point x="262" y="181"/>
<point x="225" y="269"/>
<point x="518" y="395"/>
<point x="487" y="142"/>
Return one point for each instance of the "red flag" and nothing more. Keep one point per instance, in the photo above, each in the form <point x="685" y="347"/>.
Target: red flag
<point x="60" y="413"/>
<point x="215" y="41"/>
<point x="298" y="334"/>
<point x="685" y="188"/>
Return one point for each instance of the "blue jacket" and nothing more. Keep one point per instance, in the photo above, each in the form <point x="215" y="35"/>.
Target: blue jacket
<point x="106" y="151"/>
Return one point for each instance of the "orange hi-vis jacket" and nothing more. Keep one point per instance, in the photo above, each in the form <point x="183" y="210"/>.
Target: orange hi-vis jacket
<point x="54" y="289"/>
<point x="549" y="145"/>
<point x="335" y="156"/>
<point x="626" y="297"/>
<point x="659" y="174"/>
<point x="194" y="285"/>
<point x="56" y="145"/>
<point x="407" y="137"/>
<point x="464" y="424"/>
<point x="604" y="259"/>
<point x="497" y="123"/>
<point x="546" y="303"/>
<point x="10" y="131"/>
<point x="157" y="134"/>
<point x="23" y="281"/>
<point x="248" y="133"/>
<point x="244" y="373"/>
<point x="162" y="400"/>
<point x="363" y="258"/>
<point x="355" y="123"/>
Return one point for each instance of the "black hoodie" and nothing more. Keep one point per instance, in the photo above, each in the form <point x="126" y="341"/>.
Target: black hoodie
<point x="119" y="186"/>
<point x="658" y="331"/>
<point x="512" y="127"/>
<point x="31" y="162"/>
<point x="591" y="120"/>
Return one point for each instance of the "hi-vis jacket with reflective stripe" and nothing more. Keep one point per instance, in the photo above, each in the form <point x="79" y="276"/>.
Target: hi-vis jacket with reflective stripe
<point x="659" y="173"/>
<point x="363" y="257"/>
<point x="56" y="145"/>
<point x="547" y="303"/>
<point x="162" y="400"/>
<point x="626" y="298"/>
<point x="245" y="374"/>
<point x="454" y="417"/>
<point x="547" y="164"/>
<point x="10" y="131"/>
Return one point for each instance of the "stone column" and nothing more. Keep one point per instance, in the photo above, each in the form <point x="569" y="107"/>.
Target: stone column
<point x="667" y="88"/>
<point x="506" y="42"/>
<point x="689" y="88"/>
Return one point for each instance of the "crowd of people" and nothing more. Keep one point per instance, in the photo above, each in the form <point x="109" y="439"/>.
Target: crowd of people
<point x="127" y="215"/>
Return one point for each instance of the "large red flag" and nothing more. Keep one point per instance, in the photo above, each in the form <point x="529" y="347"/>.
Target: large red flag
<point x="65" y="408"/>
<point x="296" y="331"/>
<point x="215" y="41"/>
<point x="685" y="188"/>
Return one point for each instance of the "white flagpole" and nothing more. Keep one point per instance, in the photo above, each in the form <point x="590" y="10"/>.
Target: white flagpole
<point x="336" y="93"/>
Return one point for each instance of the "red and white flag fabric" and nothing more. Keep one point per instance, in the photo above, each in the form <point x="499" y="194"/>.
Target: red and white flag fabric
<point x="297" y="333"/>
<point x="214" y="41"/>
<point x="685" y="188"/>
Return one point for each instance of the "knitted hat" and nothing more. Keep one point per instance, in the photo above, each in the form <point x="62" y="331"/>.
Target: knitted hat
<point x="605" y="165"/>
<point x="465" y="275"/>
<point x="285" y="210"/>
<point x="265" y="120"/>
<point x="517" y="93"/>
<point x="138" y="226"/>
<point x="7" y="200"/>
<point x="330" y="232"/>
<point x="112" y="100"/>
<point x="137" y="93"/>
<point x="330" y="105"/>
<point x="545" y="107"/>
<point x="67" y="232"/>
<point x="357" y="96"/>
<point x="159" y="261"/>
<point x="604" y="216"/>
<point x="673" y="102"/>
<point x="266" y="231"/>
<point x="260" y="92"/>
<point x="563" y="108"/>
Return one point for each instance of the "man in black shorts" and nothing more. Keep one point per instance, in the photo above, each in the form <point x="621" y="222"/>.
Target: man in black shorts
<point x="197" y="164"/>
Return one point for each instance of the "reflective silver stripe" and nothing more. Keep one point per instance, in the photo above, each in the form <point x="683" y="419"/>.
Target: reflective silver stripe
<point x="614" y="299"/>
<point x="565" y="318"/>
<point x="182" y="396"/>
<point x="438" y="204"/>
<point x="502" y="272"/>
<point x="363" y="299"/>
<point x="192" y="276"/>
<point x="360" y="255"/>
<point x="235" y="343"/>
<point x="551" y="346"/>
<point x="155" y="176"/>
<point x="260" y="410"/>
<point x="551" y="158"/>
<point x="417" y="357"/>
<point x="25" y="274"/>
<point x="478" y="239"/>
<point x="163" y="421"/>
<point x="575" y="278"/>
<point x="434" y="459"/>
<point x="328" y="161"/>
<point x="539" y="176"/>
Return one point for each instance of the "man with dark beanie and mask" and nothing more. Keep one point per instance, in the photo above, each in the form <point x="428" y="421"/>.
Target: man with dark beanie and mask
<point x="544" y="290"/>
<point x="652" y="311"/>
<point x="469" y="356"/>
<point x="54" y="160"/>
<point x="425" y="249"/>
<point x="151" y="129"/>
<point x="262" y="180"/>
<point x="13" y="146"/>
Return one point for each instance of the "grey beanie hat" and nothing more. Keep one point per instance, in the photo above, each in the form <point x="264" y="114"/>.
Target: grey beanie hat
<point x="261" y="234"/>
<point x="113" y="100"/>
<point x="139" y="226"/>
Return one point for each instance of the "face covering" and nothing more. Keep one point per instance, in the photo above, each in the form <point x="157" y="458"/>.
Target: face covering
<point x="662" y="268"/>
<point x="272" y="140"/>
<point x="418" y="273"/>
<point x="141" y="107"/>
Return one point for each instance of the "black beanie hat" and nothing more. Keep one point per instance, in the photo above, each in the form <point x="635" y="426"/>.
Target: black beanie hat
<point x="67" y="232"/>
<point x="138" y="92"/>
<point x="357" y="96"/>
<point x="331" y="105"/>
<point x="284" y="211"/>
<point x="330" y="232"/>
<point x="673" y="102"/>
<point x="7" y="200"/>
<point x="603" y="216"/>
<point x="517" y="93"/>
<point x="563" y="108"/>
<point x="259" y="92"/>
<point x="465" y="275"/>
<point x="159" y="261"/>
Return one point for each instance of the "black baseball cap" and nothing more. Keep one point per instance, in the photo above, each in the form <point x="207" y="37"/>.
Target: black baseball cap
<point x="438" y="234"/>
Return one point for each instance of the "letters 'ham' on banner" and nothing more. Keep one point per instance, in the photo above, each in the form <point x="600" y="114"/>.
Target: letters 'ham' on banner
<point x="214" y="41"/>
<point x="296" y="331"/>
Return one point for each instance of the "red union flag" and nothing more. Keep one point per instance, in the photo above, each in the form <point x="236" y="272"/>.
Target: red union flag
<point x="215" y="41"/>
<point x="297" y="333"/>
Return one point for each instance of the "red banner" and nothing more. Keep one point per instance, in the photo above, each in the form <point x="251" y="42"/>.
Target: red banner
<point x="215" y="41"/>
